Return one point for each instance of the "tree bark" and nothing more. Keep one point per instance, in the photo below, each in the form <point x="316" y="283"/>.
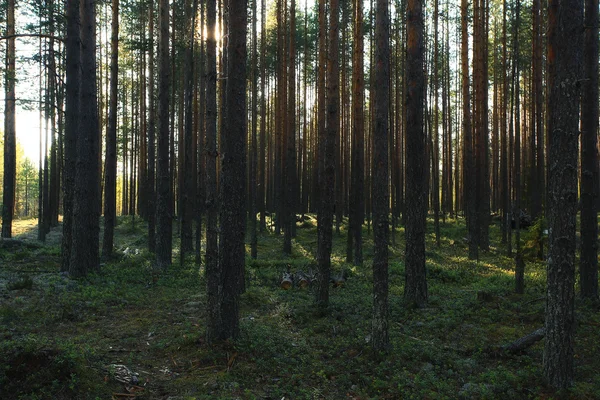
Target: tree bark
<point x="86" y="204"/>
<point x="10" y="139"/>
<point x="110" y="169"/>
<point x="589" y="157"/>
<point x="164" y="208"/>
<point x="232" y="194"/>
<point x="380" y="172"/>
<point x="565" y="42"/>
<point x="415" y="290"/>
<point x="213" y="273"/>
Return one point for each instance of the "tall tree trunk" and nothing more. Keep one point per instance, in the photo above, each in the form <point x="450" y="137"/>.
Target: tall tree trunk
<point x="415" y="289"/>
<point x="380" y="190"/>
<point x="589" y="156"/>
<point x="519" y="262"/>
<point x="253" y="144"/>
<point x="86" y="207"/>
<point x="327" y="173"/>
<point x="262" y="180"/>
<point x="436" y="145"/>
<point x="565" y="43"/>
<point x="10" y="139"/>
<point x="151" y="138"/>
<point x="232" y="195"/>
<point x="164" y="209"/>
<point x="187" y="192"/>
<point x="290" y="158"/>
<point x="357" y="195"/>
<point x="468" y="162"/>
<point x="73" y="64"/>
<point x="110" y="169"/>
<point x="213" y="273"/>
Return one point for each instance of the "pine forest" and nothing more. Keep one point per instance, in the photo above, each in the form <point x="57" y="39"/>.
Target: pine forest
<point x="299" y="199"/>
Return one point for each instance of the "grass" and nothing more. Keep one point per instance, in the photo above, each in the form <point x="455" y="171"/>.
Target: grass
<point x="61" y="338"/>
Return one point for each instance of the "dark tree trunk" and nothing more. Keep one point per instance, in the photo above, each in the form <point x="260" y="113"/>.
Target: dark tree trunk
<point x="328" y="163"/>
<point x="188" y="173"/>
<point x="468" y="161"/>
<point x="10" y="139"/>
<point x="380" y="189"/>
<point x="86" y="204"/>
<point x="357" y="202"/>
<point x="73" y="65"/>
<point x="151" y="138"/>
<point x="213" y="273"/>
<point x="253" y="144"/>
<point x="565" y="43"/>
<point x="589" y="156"/>
<point x="164" y="209"/>
<point x="415" y="290"/>
<point x="519" y="262"/>
<point x="290" y="158"/>
<point x="232" y="195"/>
<point x="110" y="169"/>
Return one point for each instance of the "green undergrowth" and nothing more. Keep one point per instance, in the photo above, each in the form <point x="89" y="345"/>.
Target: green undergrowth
<point x="62" y="338"/>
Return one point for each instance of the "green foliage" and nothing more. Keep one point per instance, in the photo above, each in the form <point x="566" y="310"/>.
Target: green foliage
<point x="24" y="283"/>
<point x="65" y="333"/>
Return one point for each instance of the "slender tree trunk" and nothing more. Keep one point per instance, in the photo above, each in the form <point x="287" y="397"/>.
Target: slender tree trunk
<point x="380" y="190"/>
<point x="213" y="273"/>
<point x="86" y="204"/>
<point x="254" y="145"/>
<point x="187" y="191"/>
<point x="436" y="145"/>
<point x="290" y="158"/>
<point x="327" y="172"/>
<point x="357" y="202"/>
<point x="589" y="156"/>
<point x="164" y="209"/>
<point x="10" y="139"/>
<point x="519" y="262"/>
<point x="110" y="169"/>
<point x="468" y="161"/>
<point x="151" y="138"/>
<point x="565" y="43"/>
<point x="415" y="289"/>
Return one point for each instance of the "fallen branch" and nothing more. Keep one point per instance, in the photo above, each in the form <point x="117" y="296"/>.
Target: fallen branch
<point x="522" y="344"/>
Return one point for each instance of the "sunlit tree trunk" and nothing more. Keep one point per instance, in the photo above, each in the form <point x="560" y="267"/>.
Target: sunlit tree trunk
<point x="10" y="139"/>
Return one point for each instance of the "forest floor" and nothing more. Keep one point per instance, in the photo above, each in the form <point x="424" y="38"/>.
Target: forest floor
<point x="74" y="339"/>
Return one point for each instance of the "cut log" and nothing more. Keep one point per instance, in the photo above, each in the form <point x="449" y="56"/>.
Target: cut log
<point x="302" y="280"/>
<point x="339" y="280"/>
<point x="287" y="281"/>
<point x="525" y="342"/>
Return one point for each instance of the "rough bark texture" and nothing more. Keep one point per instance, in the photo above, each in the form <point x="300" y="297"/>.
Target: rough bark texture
<point x="86" y="204"/>
<point x="73" y="65"/>
<point x="213" y="274"/>
<point x="10" y="139"/>
<point x="328" y="155"/>
<point x="589" y="157"/>
<point x="151" y="138"/>
<point x="232" y="194"/>
<point x="357" y="202"/>
<point x="415" y="289"/>
<point x="290" y="158"/>
<point x="164" y="195"/>
<point x="565" y="40"/>
<point x="187" y="191"/>
<point x="110" y="169"/>
<point x="468" y="162"/>
<point x="380" y="191"/>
